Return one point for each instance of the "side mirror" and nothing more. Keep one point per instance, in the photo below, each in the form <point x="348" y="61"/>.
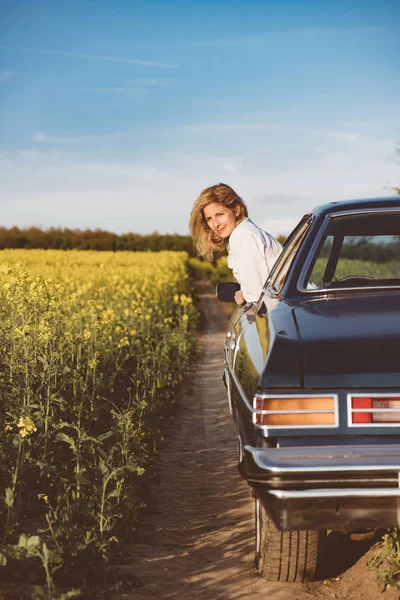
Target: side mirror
<point x="226" y="291"/>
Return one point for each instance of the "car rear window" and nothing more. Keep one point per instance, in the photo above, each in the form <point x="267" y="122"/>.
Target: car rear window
<point x="358" y="251"/>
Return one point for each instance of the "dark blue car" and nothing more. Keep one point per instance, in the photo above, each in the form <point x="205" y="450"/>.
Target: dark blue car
<point x="313" y="378"/>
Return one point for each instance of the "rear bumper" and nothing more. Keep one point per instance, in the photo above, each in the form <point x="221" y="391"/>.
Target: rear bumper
<point x="327" y="487"/>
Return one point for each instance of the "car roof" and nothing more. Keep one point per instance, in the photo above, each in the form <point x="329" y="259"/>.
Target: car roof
<point x="356" y="205"/>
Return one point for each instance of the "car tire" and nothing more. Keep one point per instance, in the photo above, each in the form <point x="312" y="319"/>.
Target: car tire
<point x="291" y="556"/>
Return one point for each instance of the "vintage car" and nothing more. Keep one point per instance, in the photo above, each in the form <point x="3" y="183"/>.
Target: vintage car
<point x="313" y="379"/>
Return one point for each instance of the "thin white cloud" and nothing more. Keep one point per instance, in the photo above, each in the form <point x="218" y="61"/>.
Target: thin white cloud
<point x="352" y="138"/>
<point x="118" y="59"/>
<point x="273" y="199"/>
<point x="43" y="138"/>
<point x="6" y="76"/>
<point x="140" y="87"/>
<point x="146" y="82"/>
<point x="231" y="126"/>
<point x="292" y="34"/>
<point x="136" y="91"/>
<point x="277" y="226"/>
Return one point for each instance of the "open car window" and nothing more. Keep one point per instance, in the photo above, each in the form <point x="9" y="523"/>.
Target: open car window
<point x="291" y="246"/>
<point x="358" y="251"/>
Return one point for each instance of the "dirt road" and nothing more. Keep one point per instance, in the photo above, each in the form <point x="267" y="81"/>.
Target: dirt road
<point x="196" y="537"/>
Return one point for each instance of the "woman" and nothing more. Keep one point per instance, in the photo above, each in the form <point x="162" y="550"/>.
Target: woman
<point x="219" y="219"/>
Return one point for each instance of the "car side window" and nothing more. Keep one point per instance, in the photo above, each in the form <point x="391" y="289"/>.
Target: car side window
<point x="358" y="251"/>
<point x="278" y="277"/>
<point x="321" y="263"/>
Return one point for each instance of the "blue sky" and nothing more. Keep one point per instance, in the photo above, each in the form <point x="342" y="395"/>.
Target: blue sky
<point x="116" y="114"/>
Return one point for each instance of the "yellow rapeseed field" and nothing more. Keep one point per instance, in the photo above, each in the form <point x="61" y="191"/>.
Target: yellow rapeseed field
<point x="92" y="346"/>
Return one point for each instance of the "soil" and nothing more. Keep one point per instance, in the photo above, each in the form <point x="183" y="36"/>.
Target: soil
<point x="196" y="536"/>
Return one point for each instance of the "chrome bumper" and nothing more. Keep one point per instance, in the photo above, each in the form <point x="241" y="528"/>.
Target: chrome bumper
<point x="327" y="487"/>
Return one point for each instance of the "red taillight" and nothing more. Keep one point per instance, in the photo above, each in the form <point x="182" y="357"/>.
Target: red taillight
<point x="378" y="409"/>
<point x="362" y="417"/>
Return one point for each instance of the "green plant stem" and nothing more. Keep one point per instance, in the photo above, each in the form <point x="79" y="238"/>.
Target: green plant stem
<point x="14" y="481"/>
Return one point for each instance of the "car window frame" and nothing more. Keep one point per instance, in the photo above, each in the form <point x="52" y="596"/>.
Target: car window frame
<point x="290" y="250"/>
<point x="316" y="246"/>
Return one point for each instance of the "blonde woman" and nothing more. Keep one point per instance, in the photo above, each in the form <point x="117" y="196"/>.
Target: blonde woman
<point x="219" y="219"/>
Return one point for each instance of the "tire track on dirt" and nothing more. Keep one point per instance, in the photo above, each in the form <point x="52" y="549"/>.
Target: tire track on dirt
<point x="196" y="538"/>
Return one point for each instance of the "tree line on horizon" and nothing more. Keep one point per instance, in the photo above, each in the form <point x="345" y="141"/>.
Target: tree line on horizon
<point x="91" y="239"/>
<point x="94" y="239"/>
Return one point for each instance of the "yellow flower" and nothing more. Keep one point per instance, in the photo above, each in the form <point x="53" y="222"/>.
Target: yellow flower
<point x="26" y="426"/>
<point x="123" y="342"/>
<point x="185" y="318"/>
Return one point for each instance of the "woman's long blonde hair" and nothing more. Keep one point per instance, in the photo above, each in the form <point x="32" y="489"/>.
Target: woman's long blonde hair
<point x="205" y="240"/>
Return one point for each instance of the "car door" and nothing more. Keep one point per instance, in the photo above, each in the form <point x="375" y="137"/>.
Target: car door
<point x="251" y="334"/>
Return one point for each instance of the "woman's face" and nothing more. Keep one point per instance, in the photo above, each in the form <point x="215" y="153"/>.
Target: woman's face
<point x="220" y="219"/>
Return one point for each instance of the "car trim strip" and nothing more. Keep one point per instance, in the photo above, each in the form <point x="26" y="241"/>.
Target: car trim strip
<point x="335" y="492"/>
<point x="238" y="386"/>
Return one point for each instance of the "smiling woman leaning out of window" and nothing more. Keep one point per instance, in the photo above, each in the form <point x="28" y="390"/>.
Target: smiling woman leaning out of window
<point x="219" y="220"/>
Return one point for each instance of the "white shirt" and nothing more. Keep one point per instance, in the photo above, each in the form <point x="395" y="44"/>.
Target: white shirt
<point x="251" y="255"/>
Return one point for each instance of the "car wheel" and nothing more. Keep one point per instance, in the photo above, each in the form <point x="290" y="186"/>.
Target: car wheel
<point x="286" y="555"/>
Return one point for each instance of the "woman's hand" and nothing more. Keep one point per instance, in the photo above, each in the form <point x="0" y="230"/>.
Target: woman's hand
<point x="239" y="298"/>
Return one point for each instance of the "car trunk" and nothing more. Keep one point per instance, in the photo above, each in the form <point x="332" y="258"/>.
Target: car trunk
<point x="350" y="341"/>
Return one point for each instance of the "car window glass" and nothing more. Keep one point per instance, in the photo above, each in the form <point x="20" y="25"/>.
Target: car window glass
<point x="279" y="276"/>
<point x="358" y="251"/>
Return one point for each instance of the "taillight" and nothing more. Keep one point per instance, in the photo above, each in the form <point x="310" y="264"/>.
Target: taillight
<point x="295" y="411"/>
<point x="358" y="404"/>
<point x="375" y="409"/>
